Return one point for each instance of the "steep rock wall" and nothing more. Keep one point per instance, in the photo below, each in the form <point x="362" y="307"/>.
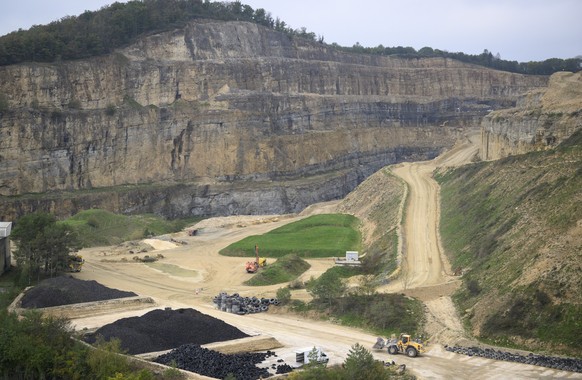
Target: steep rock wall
<point x="229" y="104"/>
<point x="541" y="119"/>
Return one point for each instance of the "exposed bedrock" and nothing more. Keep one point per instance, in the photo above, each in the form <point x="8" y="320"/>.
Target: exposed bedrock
<point x="270" y="123"/>
<point x="541" y="119"/>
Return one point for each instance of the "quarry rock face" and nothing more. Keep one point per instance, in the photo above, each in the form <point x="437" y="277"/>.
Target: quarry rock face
<point x="541" y="119"/>
<point x="222" y="118"/>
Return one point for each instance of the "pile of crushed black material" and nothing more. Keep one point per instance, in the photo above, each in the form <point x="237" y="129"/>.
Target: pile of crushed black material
<point x="166" y="329"/>
<point x="193" y="358"/>
<point x="67" y="290"/>
<point x="561" y="364"/>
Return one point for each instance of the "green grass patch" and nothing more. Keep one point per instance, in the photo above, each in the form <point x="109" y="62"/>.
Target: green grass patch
<point x="328" y="235"/>
<point x="285" y="269"/>
<point x="97" y="227"/>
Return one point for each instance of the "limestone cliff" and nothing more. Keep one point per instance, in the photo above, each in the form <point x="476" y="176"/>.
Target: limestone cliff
<point x="541" y="119"/>
<point x="227" y="117"/>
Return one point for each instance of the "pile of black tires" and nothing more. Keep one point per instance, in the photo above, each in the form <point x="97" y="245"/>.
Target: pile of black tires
<point x="237" y="304"/>
<point x="562" y="364"/>
<point x="191" y="357"/>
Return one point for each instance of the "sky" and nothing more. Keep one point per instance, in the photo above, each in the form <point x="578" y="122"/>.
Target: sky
<point x="520" y="30"/>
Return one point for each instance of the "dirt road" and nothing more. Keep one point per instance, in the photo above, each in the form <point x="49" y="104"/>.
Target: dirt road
<point x="191" y="274"/>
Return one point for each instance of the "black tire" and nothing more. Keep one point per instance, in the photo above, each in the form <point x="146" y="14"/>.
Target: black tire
<point x="411" y="352"/>
<point x="392" y="350"/>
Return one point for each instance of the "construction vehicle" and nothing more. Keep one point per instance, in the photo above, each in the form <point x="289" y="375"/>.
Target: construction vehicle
<point x="75" y="263"/>
<point x="253" y="266"/>
<point x="404" y="345"/>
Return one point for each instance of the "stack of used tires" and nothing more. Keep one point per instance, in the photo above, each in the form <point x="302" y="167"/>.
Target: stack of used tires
<point x="237" y="304"/>
<point x="562" y="364"/>
<point x="191" y="357"/>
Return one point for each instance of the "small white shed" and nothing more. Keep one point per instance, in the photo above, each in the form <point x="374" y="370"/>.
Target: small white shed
<point x="352" y="256"/>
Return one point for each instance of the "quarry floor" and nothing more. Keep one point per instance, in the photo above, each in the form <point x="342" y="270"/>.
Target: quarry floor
<point x="192" y="272"/>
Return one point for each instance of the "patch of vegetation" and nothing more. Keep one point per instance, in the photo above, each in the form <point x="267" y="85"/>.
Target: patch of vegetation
<point x="501" y="220"/>
<point x="383" y="314"/>
<point x="359" y="365"/>
<point x="346" y="271"/>
<point x="131" y="102"/>
<point x="97" y="227"/>
<point x="285" y="269"/>
<point x="517" y="319"/>
<point x="120" y="24"/>
<point x="326" y="235"/>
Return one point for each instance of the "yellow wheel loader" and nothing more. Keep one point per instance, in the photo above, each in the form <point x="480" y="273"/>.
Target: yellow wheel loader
<point x="403" y="345"/>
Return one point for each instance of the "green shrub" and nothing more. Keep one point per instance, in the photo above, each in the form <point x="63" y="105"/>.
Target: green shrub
<point x="284" y="295"/>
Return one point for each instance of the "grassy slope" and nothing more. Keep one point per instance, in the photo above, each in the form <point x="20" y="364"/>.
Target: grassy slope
<point x="325" y="235"/>
<point x="514" y="226"/>
<point x="376" y="201"/>
<point x="100" y="227"/>
<point x="285" y="269"/>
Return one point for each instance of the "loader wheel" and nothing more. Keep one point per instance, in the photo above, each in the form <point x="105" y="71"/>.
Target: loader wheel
<point x="411" y="352"/>
<point x="393" y="350"/>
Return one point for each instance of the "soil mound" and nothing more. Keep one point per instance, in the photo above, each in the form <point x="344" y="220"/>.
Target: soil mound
<point x="160" y="330"/>
<point x="66" y="290"/>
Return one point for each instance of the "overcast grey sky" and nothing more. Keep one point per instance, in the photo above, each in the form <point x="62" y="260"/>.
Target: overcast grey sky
<point x="522" y="30"/>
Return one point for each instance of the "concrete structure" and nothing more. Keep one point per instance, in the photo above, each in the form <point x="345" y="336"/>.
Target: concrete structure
<point x="5" y="228"/>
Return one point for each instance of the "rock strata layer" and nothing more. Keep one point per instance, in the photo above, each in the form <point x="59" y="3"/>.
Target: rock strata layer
<point x="541" y="119"/>
<point x="222" y="118"/>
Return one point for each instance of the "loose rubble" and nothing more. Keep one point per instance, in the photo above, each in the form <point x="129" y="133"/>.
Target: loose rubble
<point x="562" y="364"/>
<point x="166" y="329"/>
<point x="243" y="305"/>
<point x="191" y="357"/>
<point x="66" y="290"/>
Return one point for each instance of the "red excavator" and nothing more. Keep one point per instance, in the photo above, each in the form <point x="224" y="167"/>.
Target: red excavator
<point x="253" y="266"/>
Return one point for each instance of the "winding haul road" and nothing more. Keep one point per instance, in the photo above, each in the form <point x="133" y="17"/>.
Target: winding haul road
<point x="204" y="273"/>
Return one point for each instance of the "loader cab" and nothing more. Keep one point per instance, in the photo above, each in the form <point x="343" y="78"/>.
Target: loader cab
<point x="405" y="339"/>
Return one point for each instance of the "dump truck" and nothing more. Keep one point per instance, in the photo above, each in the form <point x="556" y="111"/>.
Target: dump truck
<point x="253" y="266"/>
<point x="403" y="345"/>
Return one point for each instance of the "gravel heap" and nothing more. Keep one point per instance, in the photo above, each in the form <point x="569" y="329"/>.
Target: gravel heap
<point x="160" y="330"/>
<point x="66" y="290"/>
<point x="562" y="364"/>
<point x="193" y="358"/>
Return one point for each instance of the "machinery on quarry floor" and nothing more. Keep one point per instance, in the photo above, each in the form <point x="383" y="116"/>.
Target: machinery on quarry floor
<point x="404" y="345"/>
<point x="75" y="263"/>
<point x="253" y="266"/>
